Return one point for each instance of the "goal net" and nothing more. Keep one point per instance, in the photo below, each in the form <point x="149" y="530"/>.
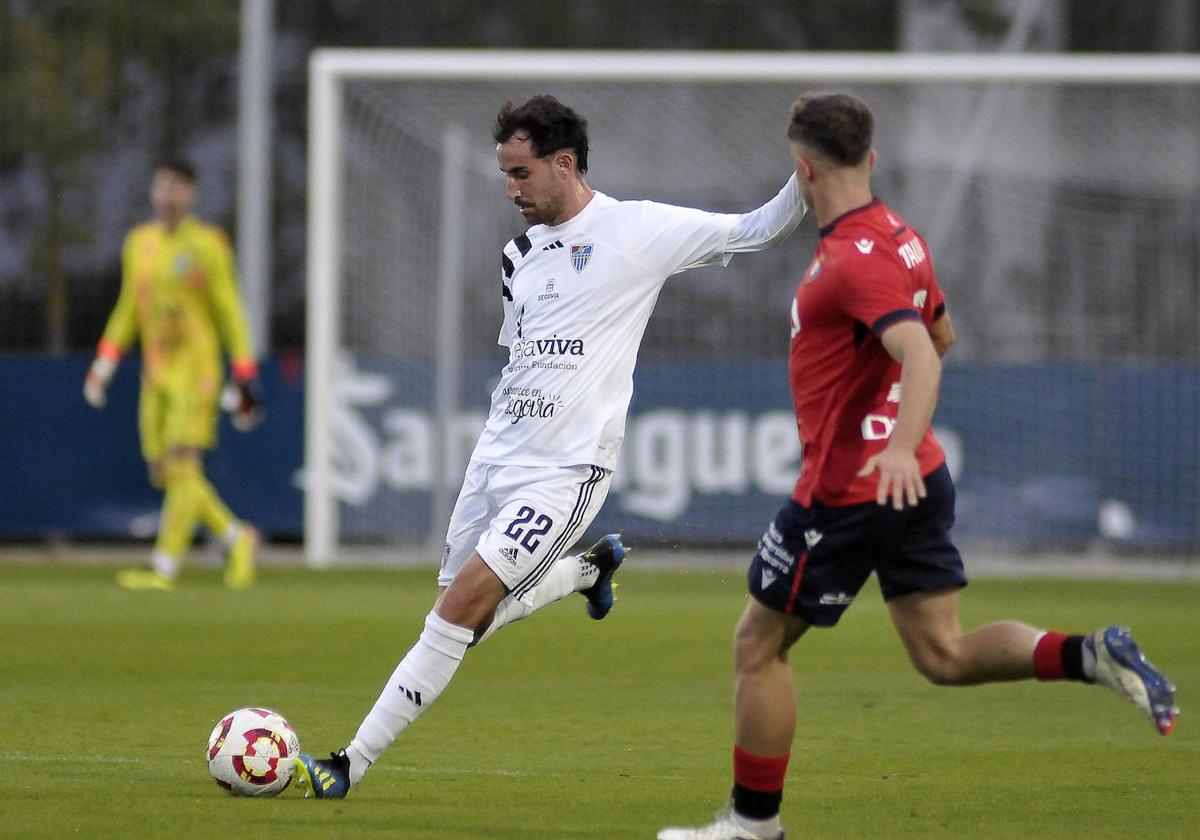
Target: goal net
<point x="1058" y="194"/>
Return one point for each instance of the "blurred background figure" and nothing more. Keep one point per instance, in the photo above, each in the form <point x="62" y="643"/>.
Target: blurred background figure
<point x="179" y="298"/>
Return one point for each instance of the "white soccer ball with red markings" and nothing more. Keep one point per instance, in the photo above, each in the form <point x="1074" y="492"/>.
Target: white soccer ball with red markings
<point x="251" y="751"/>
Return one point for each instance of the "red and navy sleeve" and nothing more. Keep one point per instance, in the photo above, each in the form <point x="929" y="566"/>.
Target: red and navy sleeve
<point x="876" y="290"/>
<point x="935" y="303"/>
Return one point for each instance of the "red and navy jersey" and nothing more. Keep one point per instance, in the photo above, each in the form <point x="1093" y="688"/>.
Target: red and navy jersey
<point x="871" y="270"/>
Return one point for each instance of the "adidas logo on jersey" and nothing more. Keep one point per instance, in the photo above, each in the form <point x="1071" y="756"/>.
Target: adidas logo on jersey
<point x="553" y="245"/>
<point x="509" y="554"/>
<point x="864" y="246"/>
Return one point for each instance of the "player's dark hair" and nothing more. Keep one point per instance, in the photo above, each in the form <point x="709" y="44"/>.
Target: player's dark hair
<point x="836" y="125"/>
<point x="181" y="167"/>
<point x="550" y="125"/>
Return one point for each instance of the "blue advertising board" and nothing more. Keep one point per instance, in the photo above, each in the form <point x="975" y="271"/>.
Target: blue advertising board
<point x="67" y="469"/>
<point x="1048" y="454"/>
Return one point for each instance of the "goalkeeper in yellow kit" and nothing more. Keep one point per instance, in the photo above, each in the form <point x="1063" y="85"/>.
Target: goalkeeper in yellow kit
<point x="180" y="299"/>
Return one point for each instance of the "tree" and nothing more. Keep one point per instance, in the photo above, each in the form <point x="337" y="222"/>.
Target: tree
<point x="73" y="78"/>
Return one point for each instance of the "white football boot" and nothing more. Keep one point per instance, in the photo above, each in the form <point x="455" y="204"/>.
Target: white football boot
<point x="726" y="826"/>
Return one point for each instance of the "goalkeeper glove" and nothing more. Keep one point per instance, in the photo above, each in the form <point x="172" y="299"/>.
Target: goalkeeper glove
<point x="95" y="384"/>
<point x="243" y="400"/>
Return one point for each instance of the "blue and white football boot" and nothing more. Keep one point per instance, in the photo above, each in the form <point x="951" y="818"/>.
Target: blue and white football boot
<point x="325" y="779"/>
<point x="1121" y="666"/>
<point x="607" y="556"/>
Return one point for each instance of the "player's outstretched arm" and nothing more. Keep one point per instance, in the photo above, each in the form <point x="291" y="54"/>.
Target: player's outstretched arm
<point x="770" y="224"/>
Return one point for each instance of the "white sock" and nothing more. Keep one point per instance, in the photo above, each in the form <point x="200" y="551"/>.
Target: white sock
<point x="164" y="564"/>
<point x="359" y="764"/>
<point x="416" y="683"/>
<point x="567" y="575"/>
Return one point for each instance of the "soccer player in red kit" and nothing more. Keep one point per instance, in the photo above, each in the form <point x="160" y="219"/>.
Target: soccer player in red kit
<point x="869" y="327"/>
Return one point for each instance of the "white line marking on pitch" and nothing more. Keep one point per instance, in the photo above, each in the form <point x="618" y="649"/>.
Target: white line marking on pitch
<point x="425" y="771"/>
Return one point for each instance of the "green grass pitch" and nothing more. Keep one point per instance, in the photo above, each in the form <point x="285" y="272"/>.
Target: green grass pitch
<point x="561" y="727"/>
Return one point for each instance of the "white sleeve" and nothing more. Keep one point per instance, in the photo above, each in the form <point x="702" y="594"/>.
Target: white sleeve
<point x="674" y="239"/>
<point x="770" y="224"/>
<point x="679" y="238"/>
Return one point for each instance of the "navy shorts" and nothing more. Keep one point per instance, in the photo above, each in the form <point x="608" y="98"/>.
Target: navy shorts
<point x="812" y="561"/>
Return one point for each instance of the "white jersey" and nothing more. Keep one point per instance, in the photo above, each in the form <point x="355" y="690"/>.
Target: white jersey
<point x="577" y="297"/>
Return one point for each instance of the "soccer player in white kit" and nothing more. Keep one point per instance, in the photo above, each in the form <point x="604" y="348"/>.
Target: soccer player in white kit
<point x="577" y="289"/>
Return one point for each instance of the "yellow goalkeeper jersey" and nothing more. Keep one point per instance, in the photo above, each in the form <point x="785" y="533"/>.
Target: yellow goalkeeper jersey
<point x="179" y="297"/>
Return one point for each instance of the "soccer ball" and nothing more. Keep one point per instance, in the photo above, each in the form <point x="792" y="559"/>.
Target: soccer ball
<point x="251" y="751"/>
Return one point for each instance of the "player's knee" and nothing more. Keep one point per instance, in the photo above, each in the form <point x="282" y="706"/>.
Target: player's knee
<point x="941" y="665"/>
<point x="181" y="461"/>
<point x="761" y="638"/>
<point x="751" y="652"/>
<point x="472" y="597"/>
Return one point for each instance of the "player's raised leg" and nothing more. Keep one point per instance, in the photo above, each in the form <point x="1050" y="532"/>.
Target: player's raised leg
<point x="535" y="530"/>
<point x="589" y="573"/>
<point x="928" y="625"/>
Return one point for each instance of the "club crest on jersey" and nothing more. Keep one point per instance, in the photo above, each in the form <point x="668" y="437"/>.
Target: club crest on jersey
<point x="581" y="255"/>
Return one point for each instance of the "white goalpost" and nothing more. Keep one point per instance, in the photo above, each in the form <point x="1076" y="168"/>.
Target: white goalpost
<point x="1052" y="188"/>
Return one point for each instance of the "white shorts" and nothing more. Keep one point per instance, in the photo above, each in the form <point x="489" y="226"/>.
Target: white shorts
<point x="521" y="519"/>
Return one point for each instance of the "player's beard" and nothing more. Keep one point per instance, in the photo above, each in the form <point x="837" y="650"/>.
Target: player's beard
<point x="544" y="212"/>
<point x="540" y="214"/>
